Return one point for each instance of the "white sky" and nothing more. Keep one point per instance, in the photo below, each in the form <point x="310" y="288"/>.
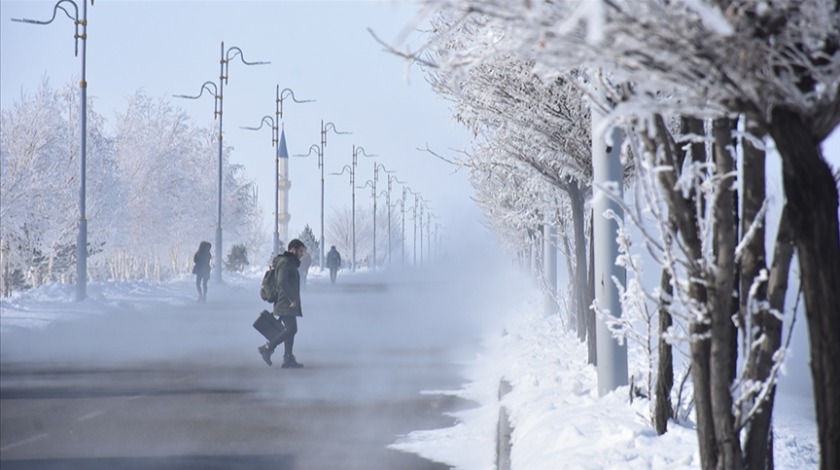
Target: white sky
<point x="320" y="49"/>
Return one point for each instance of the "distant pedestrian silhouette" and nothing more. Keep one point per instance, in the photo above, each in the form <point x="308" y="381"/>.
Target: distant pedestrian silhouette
<point x="202" y="269"/>
<point x="334" y="263"/>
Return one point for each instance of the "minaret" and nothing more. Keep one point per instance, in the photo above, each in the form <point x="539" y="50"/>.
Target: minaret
<point x="283" y="185"/>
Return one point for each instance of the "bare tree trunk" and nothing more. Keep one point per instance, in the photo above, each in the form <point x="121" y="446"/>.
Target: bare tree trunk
<point x="663" y="409"/>
<point x="591" y="338"/>
<point x="753" y="183"/>
<point x="758" y="449"/>
<point x="576" y="199"/>
<point x="765" y="327"/>
<point x="683" y="211"/>
<point x="811" y="193"/>
<point x="720" y="306"/>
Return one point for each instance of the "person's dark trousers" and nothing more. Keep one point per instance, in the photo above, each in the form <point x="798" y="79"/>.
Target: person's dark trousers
<point x="287" y="336"/>
<point x="201" y="281"/>
<point x="333" y="274"/>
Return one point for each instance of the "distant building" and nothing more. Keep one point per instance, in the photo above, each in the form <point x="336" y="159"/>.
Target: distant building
<point x="284" y="184"/>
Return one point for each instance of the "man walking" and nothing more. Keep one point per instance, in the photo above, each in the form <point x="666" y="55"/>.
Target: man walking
<point x="333" y="262"/>
<point x="287" y="306"/>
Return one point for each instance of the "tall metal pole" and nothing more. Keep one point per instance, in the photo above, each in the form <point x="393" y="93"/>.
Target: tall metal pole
<point x="428" y="235"/>
<point x="421" y="235"/>
<point x="276" y="250"/>
<point x="437" y="241"/>
<point x="607" y="170"/>
<point x="81" y="241"/>
<point x="224" y="63"/>
<point x="402" y="219"/>
<point x="414" y="219"/>
<point x="81" y="245"/>
<point x="375" y="177"/>
<point x="388" y="201"/>
<point x="391" y="179"/>
<point x="218" y="270"/>
<point x="277" y="116"/>
<point x="321" y="167"/>
<point x="324" y="128"/>
<point x="353" y="209"/>
<point x="376" y="167"/>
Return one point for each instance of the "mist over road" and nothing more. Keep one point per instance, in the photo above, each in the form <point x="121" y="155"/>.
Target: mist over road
<point x="165" y="382"/>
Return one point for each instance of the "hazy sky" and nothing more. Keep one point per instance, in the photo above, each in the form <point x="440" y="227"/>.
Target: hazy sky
<point x="320" y="49"/>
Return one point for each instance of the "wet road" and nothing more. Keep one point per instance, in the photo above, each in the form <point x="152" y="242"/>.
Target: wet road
<point x="169" y="383"/>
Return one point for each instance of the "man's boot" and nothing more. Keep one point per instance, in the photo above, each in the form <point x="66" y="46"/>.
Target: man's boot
<point x="265" y="352"/>
<point x="289" y="362"/>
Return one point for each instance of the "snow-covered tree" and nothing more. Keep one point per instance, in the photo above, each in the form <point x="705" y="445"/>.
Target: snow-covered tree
<point x="313" y="246"/>
<point x="541" y="121"/>
<point x="40" y="176"/>
<point x="147" y="190"/>
<point x="777" y="62"/>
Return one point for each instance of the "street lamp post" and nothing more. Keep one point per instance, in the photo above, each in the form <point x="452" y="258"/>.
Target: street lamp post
<point x="376" y="168"/>
<point x="421" y="235"/>
<point x="388" y="202"/>
<point x="372" y="185"/>
<point x="437" y="240"/>
<point x="224" y="62"/>
<point x="324" y="128"/>
<point x="352" y="170"/>
<point x="414" y="219"/>
<point x="429" y="216"/>
<point x="405" y="191"/>
<point x="81" y="242"/>
<point x="276" y="143"/>
<point x="419" y="203"/>
<point x="402" y="221"/>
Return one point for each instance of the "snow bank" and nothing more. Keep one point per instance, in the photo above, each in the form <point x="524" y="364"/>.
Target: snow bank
<point x="557" y="417"/>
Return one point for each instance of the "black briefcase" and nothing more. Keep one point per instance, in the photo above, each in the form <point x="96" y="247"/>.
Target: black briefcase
<point x="268" y="325"/>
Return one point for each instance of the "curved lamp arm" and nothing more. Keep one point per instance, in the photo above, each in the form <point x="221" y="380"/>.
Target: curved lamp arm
<point x="312" y="147"/>
<point x="394" y="179"/>
<point x="292" y="94"/>
<point x="281" y="95"/>
<point x="237" y="52"/>
<point x="59" y="6"/>
<point x="265" y="120"/>
<point x="330" y="126"/>
<point x="361" y="150"/>
<point x="204" y="86"/>
<point x="345" y="169"/>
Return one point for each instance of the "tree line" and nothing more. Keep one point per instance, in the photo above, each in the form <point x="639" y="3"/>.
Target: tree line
<point x="150" y="174"/>
<point x="700" y="90"/>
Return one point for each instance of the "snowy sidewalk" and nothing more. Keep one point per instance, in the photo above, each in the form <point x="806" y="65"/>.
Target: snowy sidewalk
<point x="558" y="420"/>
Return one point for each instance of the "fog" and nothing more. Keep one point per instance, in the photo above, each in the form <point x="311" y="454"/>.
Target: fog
<point x="181" y="371"/>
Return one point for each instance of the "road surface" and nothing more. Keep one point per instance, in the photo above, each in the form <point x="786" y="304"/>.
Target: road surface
<point x="161" y="381"/>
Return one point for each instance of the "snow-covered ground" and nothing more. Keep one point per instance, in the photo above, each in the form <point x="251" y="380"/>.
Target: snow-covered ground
<point x="559" y="421"/>
<point x="557" y="417"/>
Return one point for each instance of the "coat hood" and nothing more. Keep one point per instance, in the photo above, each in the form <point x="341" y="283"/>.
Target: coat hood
<point x="287" y="258"/>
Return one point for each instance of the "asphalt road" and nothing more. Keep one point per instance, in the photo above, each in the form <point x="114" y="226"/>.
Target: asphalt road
<point x="170" y="383"/>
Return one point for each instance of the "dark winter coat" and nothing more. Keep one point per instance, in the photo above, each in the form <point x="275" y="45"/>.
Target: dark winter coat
<point x="333" y="259"/>
<point x="288" y="285"/>
<point x="202" y="260"/>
